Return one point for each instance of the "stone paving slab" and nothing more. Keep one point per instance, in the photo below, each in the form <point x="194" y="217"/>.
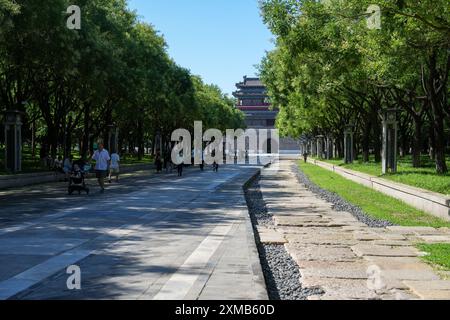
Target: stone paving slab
<point x="363" y="250"/>
<point x="342" y="256"/>
<point x="434" y="239"/>
<point x="309" y="222"/>
<point x="320" y="253"/>
<point x="321" y="239"/>
<point x="391" y="243"/>
<point x="426" y="285"/>
<point x="398" y="263"/>
<point x="270" y="236"/>
<point x="345" y="289"/>
<point x="430" y="290"/>
<point x="366" y="236"/>
<point x="390" y="236"/>
<point x="334" y="269"/>
<point x="415" y="230"/>
<point x="300" y="220"/>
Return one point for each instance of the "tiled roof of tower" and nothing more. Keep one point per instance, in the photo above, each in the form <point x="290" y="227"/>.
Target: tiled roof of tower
<point x="250" y="82"/>
<point x="253" y="82"/>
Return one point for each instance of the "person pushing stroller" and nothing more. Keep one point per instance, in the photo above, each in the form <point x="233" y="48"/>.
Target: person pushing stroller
<point x="77" y="180"/>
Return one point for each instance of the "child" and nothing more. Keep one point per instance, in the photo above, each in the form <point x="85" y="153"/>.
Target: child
<point x="114" y="168"/>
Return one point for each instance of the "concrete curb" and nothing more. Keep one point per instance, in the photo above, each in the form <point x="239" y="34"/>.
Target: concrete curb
<point x="258" y="273"/>
<point x="431" y="202"/>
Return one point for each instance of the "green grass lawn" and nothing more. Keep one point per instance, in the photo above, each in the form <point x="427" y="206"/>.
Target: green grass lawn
<point x="425" y="177"/>
<point x="381" y="206"/>
<point x="372" y="202"/>
<point x="131" y="160"/>
<point x="30" y="165"/>
<point x="438" y="255"/>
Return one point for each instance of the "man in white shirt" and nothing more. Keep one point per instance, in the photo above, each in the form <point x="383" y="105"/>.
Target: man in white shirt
<point x="101" y="157"/>
<point x="114" y="168"/>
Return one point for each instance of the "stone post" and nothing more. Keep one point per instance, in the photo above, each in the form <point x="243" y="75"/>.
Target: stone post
<point x="349" y="155"/>
<point x="314" y="148"/>
<point x="333" y="148"/>
<point x="320" y="140"/>
<point x="390" y="143"/>
<point x="329" y="148"/>
<point x="13" y="141"/>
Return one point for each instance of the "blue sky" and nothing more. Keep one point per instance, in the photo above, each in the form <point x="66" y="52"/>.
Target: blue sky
<point x="220" y="40"/>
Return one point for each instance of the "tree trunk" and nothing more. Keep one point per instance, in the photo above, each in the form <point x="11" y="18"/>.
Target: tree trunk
<point x="85" y="141"/>
<point x="417" y="145"/>
<point x="91" y="145"/>
<point x="437" y="117"/>
<point x="377" y="141"/>
<point x="140" y="142"/>
<point x="441" y="165"/>
<point x="52" y="139"/>
<point x="366" y="144"/>
<point x="431" y="142"/>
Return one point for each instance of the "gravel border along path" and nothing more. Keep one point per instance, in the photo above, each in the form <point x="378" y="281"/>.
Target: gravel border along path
<point x="281" y="272"/>
<point x="339" y="203"/>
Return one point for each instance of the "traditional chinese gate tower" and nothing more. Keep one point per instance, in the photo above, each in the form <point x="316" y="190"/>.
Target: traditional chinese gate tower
<point x="252" y="99"/>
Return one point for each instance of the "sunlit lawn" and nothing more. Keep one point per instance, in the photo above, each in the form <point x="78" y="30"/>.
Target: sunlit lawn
<point x="132" y="160"/>
<point x="373" y="203"/>
<point x="438" y="255"/>
<point x="425" y="177"/>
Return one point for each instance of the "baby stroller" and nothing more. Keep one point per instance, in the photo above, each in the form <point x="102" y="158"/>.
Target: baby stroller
<point x="77" y="179"/>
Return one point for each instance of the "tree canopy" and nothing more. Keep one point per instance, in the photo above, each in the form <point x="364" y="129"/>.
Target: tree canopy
<point x="73" y="84"/>
<point x="330" y="68"/>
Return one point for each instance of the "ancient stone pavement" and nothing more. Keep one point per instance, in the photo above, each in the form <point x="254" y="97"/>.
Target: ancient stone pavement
<point x="343" y="256"/>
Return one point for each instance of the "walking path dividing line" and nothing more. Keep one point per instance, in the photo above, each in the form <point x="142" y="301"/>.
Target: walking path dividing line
<point x="204" y="256"/>
<point x="27" y="279"/>
<point x="345" y="257"/>
<point x="34" y="275"/>
<point x="46" y="218"/>
<point x="179" y="285"/>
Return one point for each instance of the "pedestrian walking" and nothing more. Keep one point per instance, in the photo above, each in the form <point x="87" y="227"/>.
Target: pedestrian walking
<point x="101" y="157"/>
<point x="215" y="167"/>
<point x="67" y="167"/>
<point x="114" y="167"/>
<point x="180" y="169"/>
<point x="305" y="157"/>
<point x="180" y="161"/>
<point x="166" y="163"/>
<point x="158" y="162"/>
<point x="202" y="165"/>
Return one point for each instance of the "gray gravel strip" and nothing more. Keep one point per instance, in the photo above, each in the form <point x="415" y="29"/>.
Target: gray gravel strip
<point x="339" y="203"/>
<point x="281" y="272"/>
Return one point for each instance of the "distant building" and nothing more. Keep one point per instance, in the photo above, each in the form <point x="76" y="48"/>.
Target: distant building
<point x="252" y="99"/>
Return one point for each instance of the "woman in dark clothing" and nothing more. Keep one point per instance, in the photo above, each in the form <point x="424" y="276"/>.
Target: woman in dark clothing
<point x="158" y="162"/>
<point x="180" y="169"/>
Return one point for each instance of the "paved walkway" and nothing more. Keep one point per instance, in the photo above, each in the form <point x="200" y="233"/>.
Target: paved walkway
<point x="344" y="257"/>
<point x="151" y="237"/>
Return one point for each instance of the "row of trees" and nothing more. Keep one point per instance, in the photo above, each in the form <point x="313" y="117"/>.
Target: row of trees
<point x="73" y="84"/>
<point x="330" y="68"/>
